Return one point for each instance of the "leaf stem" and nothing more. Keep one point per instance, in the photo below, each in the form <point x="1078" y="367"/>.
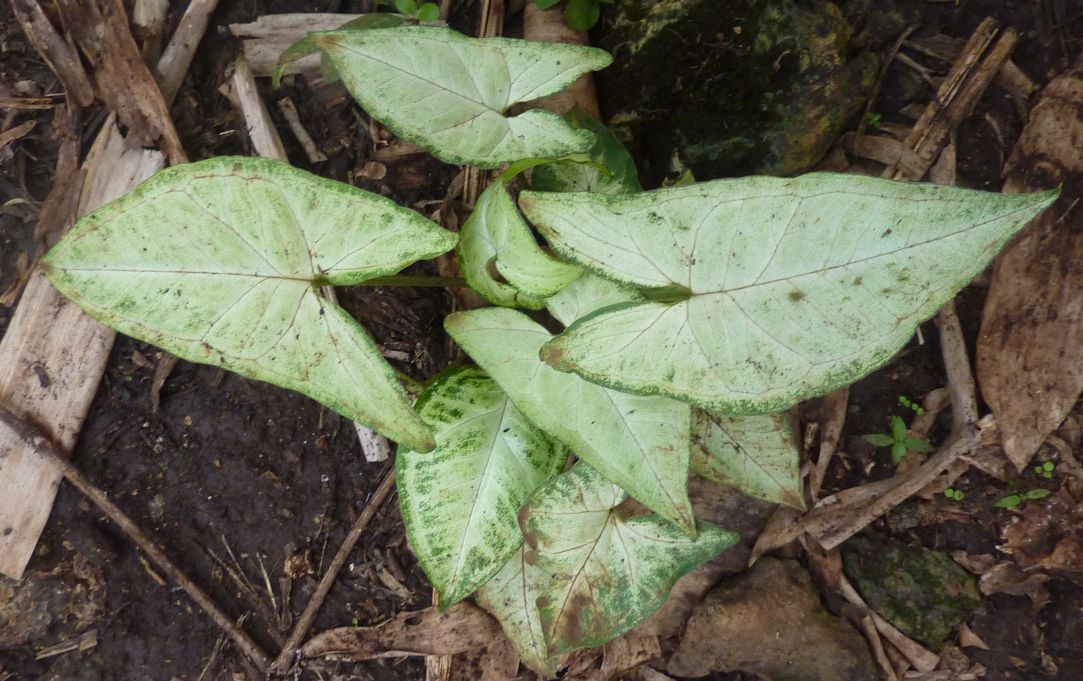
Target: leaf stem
<point x="414" y="387"/>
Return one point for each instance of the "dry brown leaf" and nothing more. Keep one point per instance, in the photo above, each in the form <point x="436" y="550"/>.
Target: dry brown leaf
<point x="1009" y="578"/>
<point x="497" y="661"/>
<point x="1030" y="350"/>
<point x="1047" y="534"/>
<point x="621" y="655"/>
<point x="832" y="418"/>
<point x="462" y="628"/>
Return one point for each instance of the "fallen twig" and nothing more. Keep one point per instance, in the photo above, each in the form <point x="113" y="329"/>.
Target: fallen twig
<point x="300" y="629"/>
<point x="43" y="446"/>
<point x="61" y="56"/>
<point x="180" y="51"/>
<point x="969" y="77"/>
<point x="917" y="654"/>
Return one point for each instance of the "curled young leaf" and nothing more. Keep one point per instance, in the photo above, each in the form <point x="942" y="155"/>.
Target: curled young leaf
<point x="773" y="290"/>
<point x="450" y="94"/>
<point x="496" y="237"/>
<point x="608" y="573"/>
<point x="220" y="262"/>
<point x="460" y="502"/>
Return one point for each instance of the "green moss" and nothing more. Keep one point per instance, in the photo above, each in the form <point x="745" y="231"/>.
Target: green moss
<point x="924" y="593"/>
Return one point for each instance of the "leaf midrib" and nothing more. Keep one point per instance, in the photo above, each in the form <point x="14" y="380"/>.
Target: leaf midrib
<point x="621" y="277"/>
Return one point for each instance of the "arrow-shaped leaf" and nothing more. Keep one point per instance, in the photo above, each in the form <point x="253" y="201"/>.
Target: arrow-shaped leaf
<point x="608" y="573"/>
<point x="449" y="93"/>
<point x="641" y="443"/>
<point x="219" y="262"/>
<point x="511" y="597"/>
<point x="460" y="502"/>
<point x="772" y="289"/>
<point x="757" y="454"/>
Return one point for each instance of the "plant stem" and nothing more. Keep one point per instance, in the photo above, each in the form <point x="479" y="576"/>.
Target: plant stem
<point x="412" y="386"/>
<point x="416" y="280"/>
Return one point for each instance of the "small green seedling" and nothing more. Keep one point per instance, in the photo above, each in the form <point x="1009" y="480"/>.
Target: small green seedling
<point x="1046" y="469"/>
<point x="910" y="404"/>
<point x="874" y="119"/>
<point x="580" y="14"/>
<point x="1013" y="500"/>
<point x="954" y="494"/>
<point x="899" y="440"/>
<point x="428" y="11"/>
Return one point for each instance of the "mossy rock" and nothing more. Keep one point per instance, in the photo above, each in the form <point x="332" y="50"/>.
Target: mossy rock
<point x="924" y="593"/>
<point x="733" y="88"/>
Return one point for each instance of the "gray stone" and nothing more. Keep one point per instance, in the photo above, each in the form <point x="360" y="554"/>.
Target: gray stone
<point x="770" y="622"/>
<point x="735" y="87"/>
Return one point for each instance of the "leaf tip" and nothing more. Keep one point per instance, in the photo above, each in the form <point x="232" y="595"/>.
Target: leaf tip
<point x="553" y="354"/>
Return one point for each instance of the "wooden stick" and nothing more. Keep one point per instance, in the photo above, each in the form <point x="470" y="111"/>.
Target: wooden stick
<point x="304" y="622"/>
<point x="57" y="458"/>
<point x="178" y="54"/>
<point x="61" y="56"/>
<point x="982" y="58"/>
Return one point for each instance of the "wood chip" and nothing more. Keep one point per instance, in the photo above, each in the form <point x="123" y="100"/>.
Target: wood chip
<point x="245" y="96"/>
<point x="16" y="133"/>
<point x="121" y="78"/>
<point x="265" y="39"/>
<point x="50" y="337"/>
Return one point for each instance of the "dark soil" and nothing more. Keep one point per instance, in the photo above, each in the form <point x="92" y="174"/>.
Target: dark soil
<point x="235" y="479"/>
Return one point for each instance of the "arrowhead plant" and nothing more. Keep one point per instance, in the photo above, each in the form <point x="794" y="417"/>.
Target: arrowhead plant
<point x="670" y="330"/>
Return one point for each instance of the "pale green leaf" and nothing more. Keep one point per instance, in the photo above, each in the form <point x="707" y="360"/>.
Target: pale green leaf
<point x="778" y="289"/>
<point x="758" y="455"/>
<point x="496" y="237"/>
<point x="511" y="597"/>
<point x="641" y="443"/>
<point x="460" y="502"/>
<point x="220" y="261"/>
<point x="612" y="171"/>
<point x="586" y="294"/>
<point x="609" y="573"/>
<point x="449" y="93"/>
